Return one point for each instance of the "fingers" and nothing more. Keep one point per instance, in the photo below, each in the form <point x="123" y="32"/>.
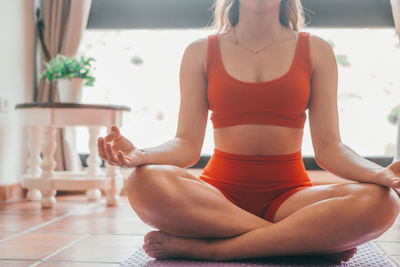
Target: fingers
<point x="110" y="154"/>
<point x="126" y="161"/>
<point x="116" y="130"/>
<point x="107" y="154"/>
<point x="114" y="134"/>
<point x="110" y="136"/>
<point x="396" y="183"/>
<point x="122" y="159"/>
<point x="101" y="148"/>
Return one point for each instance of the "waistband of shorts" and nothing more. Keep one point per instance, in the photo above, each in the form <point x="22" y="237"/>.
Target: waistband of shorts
<point x="284" y="157"/>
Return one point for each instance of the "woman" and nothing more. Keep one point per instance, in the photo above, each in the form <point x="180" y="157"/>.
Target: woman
<point x="258" y="75"/>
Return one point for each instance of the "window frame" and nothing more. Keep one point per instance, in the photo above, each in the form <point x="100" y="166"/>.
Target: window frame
<point x="161" y="14"/>
<point x="181" y="14"/>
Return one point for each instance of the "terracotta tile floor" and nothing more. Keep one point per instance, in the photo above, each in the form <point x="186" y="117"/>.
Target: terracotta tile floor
<point x="81" y="233"/>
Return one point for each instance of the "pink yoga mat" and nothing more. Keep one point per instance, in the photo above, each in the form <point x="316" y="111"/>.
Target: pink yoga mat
<point x="367" y="256"/>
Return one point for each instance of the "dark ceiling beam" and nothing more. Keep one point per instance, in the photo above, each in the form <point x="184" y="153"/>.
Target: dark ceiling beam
<point x="349" y="13"/>
<point x="161" y="14"/>
<point x="136" y="14"/>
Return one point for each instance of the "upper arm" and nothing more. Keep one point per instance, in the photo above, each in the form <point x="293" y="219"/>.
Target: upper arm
<point x="193" y="111"/>
<point x="323" y="111"/>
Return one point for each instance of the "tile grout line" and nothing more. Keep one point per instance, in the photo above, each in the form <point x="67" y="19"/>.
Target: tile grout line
<point x="60" y="249"/>
<point x="38" y="226"/>
<point x="392" y="261"/>
<point x="382" y="251"/>
<point x="34" y="228"/>
<point x="78" y="261"/>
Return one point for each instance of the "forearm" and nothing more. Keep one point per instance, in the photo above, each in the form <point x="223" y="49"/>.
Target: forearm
<point x="342" y="161"/>
<point x="177" y="151"/>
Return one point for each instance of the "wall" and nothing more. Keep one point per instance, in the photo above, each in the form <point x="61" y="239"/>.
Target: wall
<point x="16" y="84"/>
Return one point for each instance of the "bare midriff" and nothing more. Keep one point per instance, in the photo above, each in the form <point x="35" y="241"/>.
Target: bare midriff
<point x="258" y="140"/>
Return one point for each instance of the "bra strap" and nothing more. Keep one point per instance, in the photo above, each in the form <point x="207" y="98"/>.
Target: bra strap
<point x="211" y="49"/>
<point x="304" y="38"/>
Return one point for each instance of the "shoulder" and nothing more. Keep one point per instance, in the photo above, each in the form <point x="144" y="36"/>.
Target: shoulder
<point x="196" y="52"/>
<point x="321" y="51"/>
<point x="197" y="46"/>
<point x="201" y="44"/>
<point x="319" y="44"/>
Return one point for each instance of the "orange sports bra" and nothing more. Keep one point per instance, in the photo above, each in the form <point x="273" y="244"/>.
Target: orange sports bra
<point x="281" y="101"/>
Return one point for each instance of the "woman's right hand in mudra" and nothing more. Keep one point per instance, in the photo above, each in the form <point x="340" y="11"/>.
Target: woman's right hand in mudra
<point x="117" y="150"/>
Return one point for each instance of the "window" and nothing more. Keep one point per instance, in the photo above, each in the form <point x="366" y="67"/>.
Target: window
<point x="367" y="60"/>
<point x="368" y="90"/>
<point x="151" y="89"/>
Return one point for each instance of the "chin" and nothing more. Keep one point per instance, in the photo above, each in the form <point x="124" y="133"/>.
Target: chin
<point x="259" y="6"/>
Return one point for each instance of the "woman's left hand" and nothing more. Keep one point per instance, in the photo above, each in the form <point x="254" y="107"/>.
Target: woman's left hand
<point x="390" y="176"/>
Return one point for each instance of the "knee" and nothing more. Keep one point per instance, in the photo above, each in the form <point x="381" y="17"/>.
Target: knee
<point x="382" y="196"/>
<point x="377" y="205"/>
<point x="151" y="186"/>
<point x="149" y="180"/>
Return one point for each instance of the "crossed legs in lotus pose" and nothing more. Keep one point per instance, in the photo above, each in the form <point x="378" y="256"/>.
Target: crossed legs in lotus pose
<point x="196" y="221"/>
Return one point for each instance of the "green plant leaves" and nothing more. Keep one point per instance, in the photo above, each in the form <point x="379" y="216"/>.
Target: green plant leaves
<point x="62" y="66"/>
<point x="136" y="60"/>
<point x="392" y="117"/>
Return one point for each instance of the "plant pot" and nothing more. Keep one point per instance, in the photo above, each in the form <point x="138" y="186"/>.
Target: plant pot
<point x="70" y="90"/>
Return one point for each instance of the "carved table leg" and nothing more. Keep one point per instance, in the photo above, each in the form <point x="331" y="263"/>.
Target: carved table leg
<point x="48" y="165"/>
<point x="48" y="198"/>
<point x="34" y="195"/>
<point x="93" y="162"/>
<point x="34" y="160"/>
<point x="116" y="184"/>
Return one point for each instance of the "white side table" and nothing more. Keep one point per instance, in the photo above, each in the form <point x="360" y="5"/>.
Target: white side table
<point x="41" y="179"/>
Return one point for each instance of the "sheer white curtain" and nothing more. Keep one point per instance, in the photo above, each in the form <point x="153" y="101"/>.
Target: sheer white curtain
<point x="396" y="18"/>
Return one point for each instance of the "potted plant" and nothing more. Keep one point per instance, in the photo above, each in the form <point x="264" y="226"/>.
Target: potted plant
<point x="70" y="74"/>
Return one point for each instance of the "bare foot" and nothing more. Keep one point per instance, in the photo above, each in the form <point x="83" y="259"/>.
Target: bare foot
<point x="161" y="245"/>
<point x="340" y="256"/>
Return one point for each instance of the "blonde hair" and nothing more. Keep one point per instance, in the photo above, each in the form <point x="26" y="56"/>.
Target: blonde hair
<point x="226" y="14"/>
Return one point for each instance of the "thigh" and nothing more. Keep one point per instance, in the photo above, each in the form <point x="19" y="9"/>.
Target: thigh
<point x="173" y="200"/>
<point x="184" y="173"/>
<point x="317" y="193"/>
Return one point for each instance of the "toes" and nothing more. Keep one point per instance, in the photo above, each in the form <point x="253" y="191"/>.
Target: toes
<point x="150" y="237"/>
<point x="341" y="256"/>
<point x="157" y="244"/>
<point x="156" y="253"/>
<point x="152" y="247"/>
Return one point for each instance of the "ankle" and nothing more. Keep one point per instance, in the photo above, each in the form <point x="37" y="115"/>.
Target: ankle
<point x="215" y="250"/>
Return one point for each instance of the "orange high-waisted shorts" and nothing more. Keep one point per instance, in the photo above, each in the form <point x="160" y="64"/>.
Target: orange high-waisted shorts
<point x="258" y="184"/>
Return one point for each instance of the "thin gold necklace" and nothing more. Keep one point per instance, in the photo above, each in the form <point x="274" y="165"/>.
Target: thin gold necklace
<point x="254" y="51"/>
